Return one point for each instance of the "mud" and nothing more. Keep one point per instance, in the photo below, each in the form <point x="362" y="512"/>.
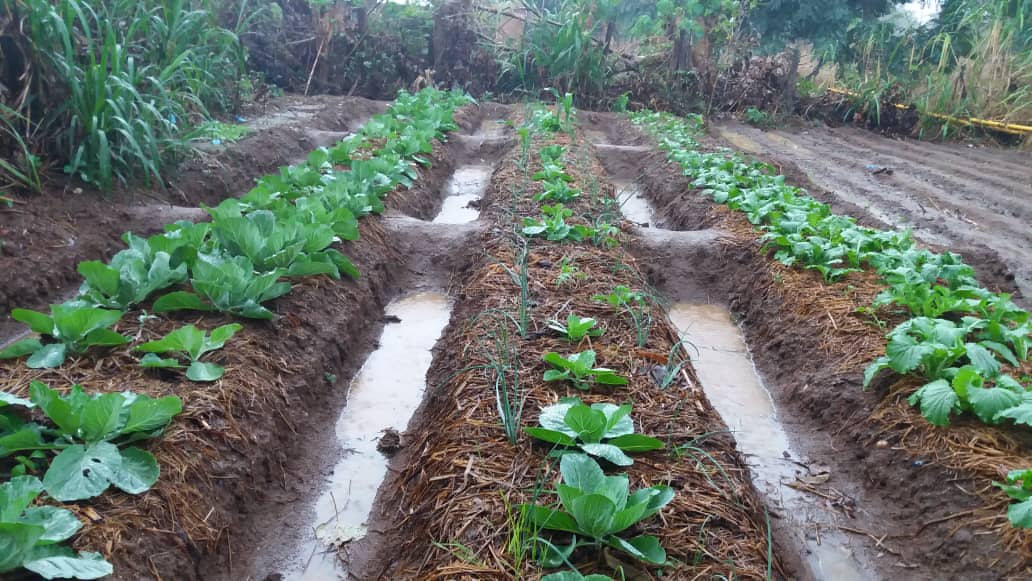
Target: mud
<point x="448" y="491"/>
<point x="381" y="399"/>
<point x="966" y="198"/>
<point x="727" y="374"/>
<point x="44" y="237"/>
<point x="890" y="496"/>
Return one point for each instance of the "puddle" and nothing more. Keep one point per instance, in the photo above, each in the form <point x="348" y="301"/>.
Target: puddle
<point x="633" y="204"/>
<point x="725" y="368"/>
<point x="465" y="186"/>
<point x="384" y="394"/>
<point x="491" y="129"/>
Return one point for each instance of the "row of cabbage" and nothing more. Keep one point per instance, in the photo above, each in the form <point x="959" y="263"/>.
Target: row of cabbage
<point x="285" y="227"/>
<point x="968" y="344"/>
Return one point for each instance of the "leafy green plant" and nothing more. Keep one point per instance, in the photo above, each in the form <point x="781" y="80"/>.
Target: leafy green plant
<point x="635" y="305"/>
<point x="552" y="225"/>
<point x="579" y="369"/>
<point x="595" y="510"/>
<point x="576" y="328"/>
<point x="758" y="118"/>
<point x="1018" y="486"/>
<point x="228" y="284"/>
<point x="604" y="430"/>
<point x="557" y="190"/>
<point x="72" y="328"/>
<point x="290" y="244"/>
<point x="966" y="391"/>
<point x="32" y="536"/>
<point x="193" y="343"/>
<point x="91" y="432"/>
<point x="568" y="273"/>
<point x="133" y="275"/>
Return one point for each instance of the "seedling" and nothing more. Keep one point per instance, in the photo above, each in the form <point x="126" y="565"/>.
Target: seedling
<point x="1018" y="486"/>
<point x="569" y="274"/>
<point x="576" y="328"/>
<point x="579" y="369"/>
<point x="634" y="305"/>
<point x="72" y="328"/>
<point x="90" y="432"/>
<point x="595" y="509"/>
<point x="603" y="429"/>
<point x="552" y="225"/>
<point x="193" y="343"/>
<point x="33" y="536"/>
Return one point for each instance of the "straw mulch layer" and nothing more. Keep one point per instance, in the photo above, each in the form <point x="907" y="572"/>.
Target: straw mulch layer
<point x="230" y="451"/>
<point x="931" y="486"/>
<point x="452" y="507"/>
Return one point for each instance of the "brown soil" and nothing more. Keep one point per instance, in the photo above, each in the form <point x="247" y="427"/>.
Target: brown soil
<point x="926" y="494"/>
<point x="973" y="200"/>
<point x="455" y="480"/>
<point x="242" y="446"/>
<point x="43" y="238"/>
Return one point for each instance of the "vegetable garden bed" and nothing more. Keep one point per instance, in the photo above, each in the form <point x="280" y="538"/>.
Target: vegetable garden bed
<point x="453" y="510"/>
<point x="229" y="452"/>
<point x="925" y="492"/>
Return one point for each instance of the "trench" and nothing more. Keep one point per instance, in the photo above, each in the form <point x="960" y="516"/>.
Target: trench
<point x="347" y="464"/>
<point x="381" y="400"/>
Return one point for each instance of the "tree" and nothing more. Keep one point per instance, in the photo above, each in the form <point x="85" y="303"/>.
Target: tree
<point x="781" y="22"/>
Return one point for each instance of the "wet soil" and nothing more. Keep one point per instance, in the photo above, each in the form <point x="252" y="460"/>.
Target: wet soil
<point x="253" y="445"/>
<point x="450" y="487"/>
<point x="975" y="200"/>
<point x="902" y="503"/>
<point x="44" y="237"/>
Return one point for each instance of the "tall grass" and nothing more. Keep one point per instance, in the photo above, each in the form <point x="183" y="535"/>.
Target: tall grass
<point x="974" y="60"/>
<point x="115" y="82"/>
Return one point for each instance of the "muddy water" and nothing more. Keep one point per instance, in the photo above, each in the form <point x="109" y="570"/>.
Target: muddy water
<point x="633" y="204"/>
<point x="384" y="394"/>
<point x="465" y="187"/>
<point x="725" y="368"/>
<point x="491" y="129"/>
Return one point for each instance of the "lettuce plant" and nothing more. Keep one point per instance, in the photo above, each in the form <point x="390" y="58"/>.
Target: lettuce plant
<point x="92" y="432"/>
<point x="270" y="243"/>
<point x="576" y="328"/>
<point x="552" y="225"/>
<point x="595" y="509"/>
<point x="603" y="429"/>
<point x="132" y="276"/>
<point x="579" y="369"/>
<point x="71" y="328"/>
<point x="228" y="284"/>
<point x="1018" y="486"/>
<point x="557" y="190"/>
<point x="31" y="537"/>
<point x="193" y="343"/>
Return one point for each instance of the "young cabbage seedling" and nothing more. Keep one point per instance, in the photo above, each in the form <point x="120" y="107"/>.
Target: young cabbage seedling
<point x="603" y="429"/>
<point x="193" y="343"/>
<point x="595" y="509"/>
<point x="576" y="328"/>
<point x="73" y="328"/>
<point x="579" y="369"/>
<point x="1019" y="487"/>
<point x="91" y="432"/>
<point x="32" y="536"/>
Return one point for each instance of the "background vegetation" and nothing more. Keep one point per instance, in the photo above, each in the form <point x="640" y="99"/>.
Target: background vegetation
<point x="108" y="90"/>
